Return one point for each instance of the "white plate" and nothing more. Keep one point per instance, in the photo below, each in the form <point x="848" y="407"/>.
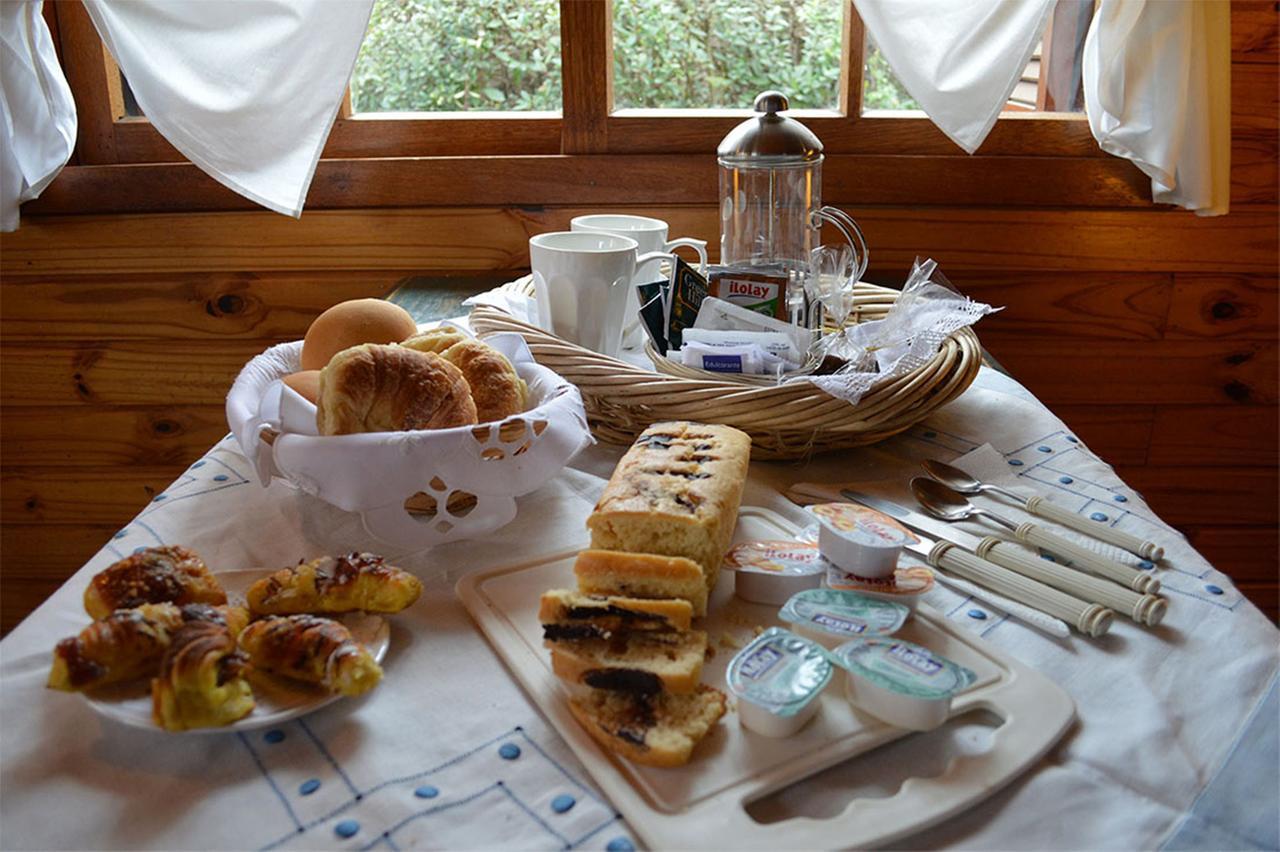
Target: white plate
<point x="277" y="699"/>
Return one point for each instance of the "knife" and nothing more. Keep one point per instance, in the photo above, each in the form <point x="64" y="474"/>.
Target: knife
<point x="1145" y="609"/>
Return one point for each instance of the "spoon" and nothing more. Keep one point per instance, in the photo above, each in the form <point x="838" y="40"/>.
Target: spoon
<point x="949" y="505"/>
<point x="965" y="484"/>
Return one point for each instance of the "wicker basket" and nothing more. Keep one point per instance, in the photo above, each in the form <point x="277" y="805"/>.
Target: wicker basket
<point x="784" y="421"/>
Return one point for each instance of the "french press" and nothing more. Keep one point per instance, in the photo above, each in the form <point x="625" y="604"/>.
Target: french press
<point x="771" y="211"/>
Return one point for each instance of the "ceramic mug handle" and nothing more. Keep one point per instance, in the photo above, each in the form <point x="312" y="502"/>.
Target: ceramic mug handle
<point x="700" y="246"/>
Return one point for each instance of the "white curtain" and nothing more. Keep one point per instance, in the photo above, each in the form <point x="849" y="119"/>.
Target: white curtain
<point x="38" y="114"/>
<point x="1157" y="79"/>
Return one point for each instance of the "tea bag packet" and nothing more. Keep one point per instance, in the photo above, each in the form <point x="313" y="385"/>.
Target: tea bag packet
<point x="719" y="315"/>
<point x="655" y="304"/>
<point x="687" y="292"/>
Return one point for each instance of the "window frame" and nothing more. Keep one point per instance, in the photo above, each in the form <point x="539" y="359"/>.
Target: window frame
<point x="907" y="144"/>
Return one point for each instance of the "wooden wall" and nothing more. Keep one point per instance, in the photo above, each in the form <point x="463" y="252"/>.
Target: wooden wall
<point x="1153" y="333"/>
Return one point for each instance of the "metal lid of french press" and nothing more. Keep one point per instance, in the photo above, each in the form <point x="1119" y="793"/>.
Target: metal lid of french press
<point x="770" y="139"/>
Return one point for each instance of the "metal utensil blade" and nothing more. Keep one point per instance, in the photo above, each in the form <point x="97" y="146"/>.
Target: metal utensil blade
<point x="915" y="521"/>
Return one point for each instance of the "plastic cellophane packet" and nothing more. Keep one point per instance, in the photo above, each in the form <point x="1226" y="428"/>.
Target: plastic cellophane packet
<point x="928" y="311"/>
<point x="376" y="473"/>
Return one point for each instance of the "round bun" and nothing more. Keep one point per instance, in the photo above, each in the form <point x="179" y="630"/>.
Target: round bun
<point x="379" y="388"/>
<point x="351" y="323"/>
<point x="435" y="340"/>
<point x="306" y="384"/>
<point x="497" y="389"/>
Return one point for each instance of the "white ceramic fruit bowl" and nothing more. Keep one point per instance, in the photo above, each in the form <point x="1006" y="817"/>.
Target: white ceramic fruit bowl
<point x="412" y="489"/>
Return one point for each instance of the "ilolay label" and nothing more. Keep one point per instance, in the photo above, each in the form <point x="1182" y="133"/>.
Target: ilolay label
<point x="762" y="291"/>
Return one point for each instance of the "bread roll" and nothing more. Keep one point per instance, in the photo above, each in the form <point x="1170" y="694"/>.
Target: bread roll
<point x="306" y="384"/>
<point x="351" y="323"/>
<point x="497" y="389"/>
<point x="378" y="388"/>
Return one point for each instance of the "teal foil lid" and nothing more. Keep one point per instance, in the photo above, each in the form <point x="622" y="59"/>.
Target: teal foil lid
<point x="905" y="668"/>
<point x="779" y="671"/>
<point x="845" y="614"/>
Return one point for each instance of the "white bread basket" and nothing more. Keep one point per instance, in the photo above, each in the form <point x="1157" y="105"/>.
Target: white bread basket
<point x="412" y="489"/>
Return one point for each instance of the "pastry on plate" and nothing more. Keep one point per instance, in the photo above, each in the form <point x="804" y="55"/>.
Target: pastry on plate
<point x="566" y="614"/>
<point x="633" y="662"/>
<point x="349" y="583"/>
<point x="379" y="388"/>
<point x="497" y="389"/>
<point x="201" y="683"/>
<point x="675" y="492"/>
<point x="655" y="730"/>
<point x="129" y="643"/>
<point x="435" y="340"/>
<point x="312" y="649"/>
<point x="642" y="575"/>
<point x="154" y="575"/>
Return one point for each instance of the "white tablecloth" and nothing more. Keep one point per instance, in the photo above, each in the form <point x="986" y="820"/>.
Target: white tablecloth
<point x="1175" y="743"/>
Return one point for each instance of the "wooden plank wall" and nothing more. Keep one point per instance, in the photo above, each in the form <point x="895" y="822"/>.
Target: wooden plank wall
<point x="1152" y="332"/>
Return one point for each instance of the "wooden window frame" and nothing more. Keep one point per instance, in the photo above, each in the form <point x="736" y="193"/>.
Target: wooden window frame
<point x="1031" y="159"/>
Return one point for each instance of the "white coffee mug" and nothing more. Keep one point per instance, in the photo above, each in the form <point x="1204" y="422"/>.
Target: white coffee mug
<point x="651" y="235"/>
<point x="581" y="281"/>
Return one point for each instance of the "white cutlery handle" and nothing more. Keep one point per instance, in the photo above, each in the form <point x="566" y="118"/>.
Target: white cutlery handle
<point x="1031" y="617"/>
<point x="1144" y="609"/>
<point x="1088" y="618"/>
<point x="1086" y="559"/>
<point x="1146" y="549"/>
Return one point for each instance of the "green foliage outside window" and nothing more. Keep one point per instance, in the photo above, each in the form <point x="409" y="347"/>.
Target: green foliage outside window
<point x="445" y="55"/>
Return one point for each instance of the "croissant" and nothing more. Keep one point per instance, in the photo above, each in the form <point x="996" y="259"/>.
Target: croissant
<point x="379" y="388"/>
<point x="201" y="682"/>
<point x="154" y="575"/>
<point x="435" y="340"/>
<point x="355" y="581"/>
<point x="129" y="643"/>
<point x="497" y="389"/>
<point x="313" y="649"/>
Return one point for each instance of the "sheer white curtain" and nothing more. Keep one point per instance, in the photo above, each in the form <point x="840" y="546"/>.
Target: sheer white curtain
<point x="1157" y="79"/>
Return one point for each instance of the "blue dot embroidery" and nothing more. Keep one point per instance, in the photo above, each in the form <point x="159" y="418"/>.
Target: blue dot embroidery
<point x="157" y="498"/>
<point x="1120" y="498"/>
<point x="222" y="477"/>
<point x="1015" y="462"/>
<point x="509" y="751"/>
<point x="1098" y="516"/>
<point x="197" y="464"/>
<point x="978" y="614"/>
<point x="138" y="549"/>
<point x="426" y="792"/>
<point x="346" y="828"/>
<point x="1213" y="590"/>
<point x="119" y="535"/>
<point x="562" y="803"/>
<point x="1065" y="480"/>
<point x="1073" y="439"/>
<point x="1042" y="448"/>
<point x="620" y="844"/>
<point x="1146" y="565"/>
<point x="1047" y="557"/>
<point x="273" y="736"/>
<point x="309" y="787"/>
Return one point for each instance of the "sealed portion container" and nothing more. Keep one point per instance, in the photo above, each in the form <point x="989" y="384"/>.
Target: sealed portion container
<point x="777" y="679"/>
<point x="859" y="540"/>
<point x="905" y="585"/>
<point x="901" y="683"/>
<point x="770" y="572"/>
<point x="831" y="616"/>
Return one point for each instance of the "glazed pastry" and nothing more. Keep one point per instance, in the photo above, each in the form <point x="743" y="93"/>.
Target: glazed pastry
<point x="656" y="730"/>
<point x="201" y="683"/>
<point x="633" y="662"/>
<point x="154" y="575"/>
<point x="642" y="575"/>
<point x="566" y="614"/>
<point x="379" y="388"/>
<point x="350" y="583"/>
<point x="313" y="649"/>
<point x="675" y="492"/>
<point x="497" y="389"/>
<point x="129" y="643"/>
<point x="435" y="340"/>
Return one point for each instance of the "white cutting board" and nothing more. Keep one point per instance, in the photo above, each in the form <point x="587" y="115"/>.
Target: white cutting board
<point x="702" y="804"/>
